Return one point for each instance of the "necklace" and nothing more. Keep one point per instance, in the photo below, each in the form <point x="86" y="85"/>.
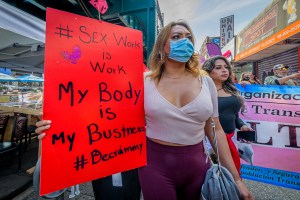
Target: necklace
<point x="173" y="77"/>
<point x="219" y="89"/>
<point x="178" y="77"/>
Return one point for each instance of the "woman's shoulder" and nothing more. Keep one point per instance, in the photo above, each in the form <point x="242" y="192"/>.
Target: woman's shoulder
<point x="147" y="75"/>
<point x="207" y="80"/>
<point x="147" y="78"/>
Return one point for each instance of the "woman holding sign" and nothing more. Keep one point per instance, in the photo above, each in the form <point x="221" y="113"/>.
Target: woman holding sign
<point x="179" y="104"/>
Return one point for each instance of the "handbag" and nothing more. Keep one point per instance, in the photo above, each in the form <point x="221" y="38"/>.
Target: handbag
<point x="219" y="183"/>
<point x="246" y="152"/>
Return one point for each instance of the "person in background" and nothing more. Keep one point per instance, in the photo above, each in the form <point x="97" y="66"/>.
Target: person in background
<point x="130" y="189"/>
<point x="249" y="78"/>
<point x="179" y="101"/>
<point x="245" y="77"/>
<point x="229" y="101"/>
<point x="280" y="76"/>
<point x="234" y="78"/>
<point x="254" y="80"/>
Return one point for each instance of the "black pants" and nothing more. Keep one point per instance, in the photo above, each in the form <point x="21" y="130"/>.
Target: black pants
<point x="131" y="189"/>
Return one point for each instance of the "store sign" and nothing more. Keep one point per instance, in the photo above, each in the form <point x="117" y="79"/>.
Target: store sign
<point x="276" y="23"/>
<point x="261" y="27"/>
<point x="94" y="97"/>
<point x="216" y="40"/>
<point x="226" y="30"/>
<point x="272" y="40"/>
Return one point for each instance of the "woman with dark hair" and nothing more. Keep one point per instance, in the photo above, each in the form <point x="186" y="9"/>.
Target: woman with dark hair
<point x="249" y="78"/>
<point x="234" y="78"/>
<point x="179" y="102"/>
<point x="229" y="101"/>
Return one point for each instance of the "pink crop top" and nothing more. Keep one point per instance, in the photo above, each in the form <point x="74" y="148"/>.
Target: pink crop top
<point x="183" y="125"/>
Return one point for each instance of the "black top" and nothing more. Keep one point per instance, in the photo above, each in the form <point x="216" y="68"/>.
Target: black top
<point x="229" y="108"/>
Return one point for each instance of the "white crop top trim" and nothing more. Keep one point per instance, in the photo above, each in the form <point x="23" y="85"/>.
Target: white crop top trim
<point x="183" y="125"/>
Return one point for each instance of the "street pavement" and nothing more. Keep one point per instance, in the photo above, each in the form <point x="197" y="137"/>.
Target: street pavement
<point x="260" y="191"/>
<point x="10" y="180"/>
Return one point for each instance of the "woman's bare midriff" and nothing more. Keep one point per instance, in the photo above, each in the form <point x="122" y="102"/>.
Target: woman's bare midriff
<point x="165" y="143"/>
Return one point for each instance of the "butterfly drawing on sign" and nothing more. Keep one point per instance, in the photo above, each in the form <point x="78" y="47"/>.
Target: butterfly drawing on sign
<point x="74" y="57"/>
<point x="100" y="5"/>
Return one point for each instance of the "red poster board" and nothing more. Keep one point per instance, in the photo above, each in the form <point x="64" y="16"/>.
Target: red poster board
<point x="94" y="96"/>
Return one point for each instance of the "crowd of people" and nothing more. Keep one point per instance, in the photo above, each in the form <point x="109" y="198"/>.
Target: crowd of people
<point x="181" y="98"/>
<point x="280" y="77"/>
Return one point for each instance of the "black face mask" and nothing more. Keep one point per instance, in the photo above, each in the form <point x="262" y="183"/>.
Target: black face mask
<point x="246" y="78"/>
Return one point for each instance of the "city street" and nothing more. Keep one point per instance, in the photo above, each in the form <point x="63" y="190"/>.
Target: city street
<point x="122" y="95"/>
<point x="259" y="190"/>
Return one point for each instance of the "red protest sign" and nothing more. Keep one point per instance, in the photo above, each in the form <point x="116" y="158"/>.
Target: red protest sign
<point x="94" y="96"/>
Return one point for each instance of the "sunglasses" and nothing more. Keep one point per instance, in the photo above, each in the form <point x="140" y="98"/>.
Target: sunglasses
<point x="283" y="68"/>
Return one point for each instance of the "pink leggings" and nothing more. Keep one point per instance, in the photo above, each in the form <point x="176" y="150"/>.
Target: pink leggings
<point x="173" y="172"/>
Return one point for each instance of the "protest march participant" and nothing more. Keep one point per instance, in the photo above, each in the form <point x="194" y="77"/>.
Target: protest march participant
<point x="179" y="104"/>
<point x="229" y="101"/>
<point x="280" y="76"/>
<point x="234" y="78"/>
<point x="249" y="78"/>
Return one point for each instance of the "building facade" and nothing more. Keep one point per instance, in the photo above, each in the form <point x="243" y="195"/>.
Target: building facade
<point x="273" y="37"/>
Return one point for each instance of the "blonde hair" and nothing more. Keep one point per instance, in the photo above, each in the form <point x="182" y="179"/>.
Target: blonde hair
<point x="243" y="76"/>
<point x="157" y="57"/>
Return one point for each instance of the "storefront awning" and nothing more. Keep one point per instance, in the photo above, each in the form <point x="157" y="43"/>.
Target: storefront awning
<point x="22" y="23"/>
<point x="268" y="52"/>
<point x="275" y="30"/>
<point x="22" y="40"/>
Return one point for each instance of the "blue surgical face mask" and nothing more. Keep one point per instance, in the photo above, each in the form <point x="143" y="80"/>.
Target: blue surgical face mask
<point x="181" y="50"/>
